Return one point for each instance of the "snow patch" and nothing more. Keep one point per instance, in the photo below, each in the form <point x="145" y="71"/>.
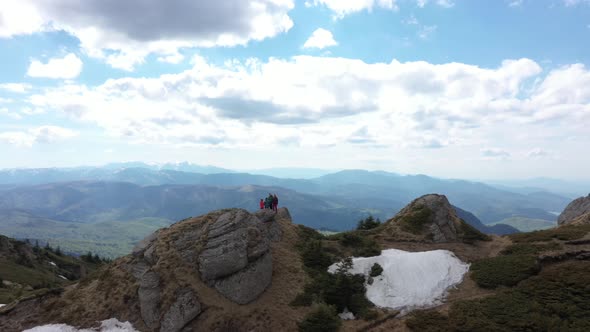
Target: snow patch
<point x="109" y="325"/>
<point x="52" y="263"/>
<point x="64" y="278"/>
<point x="346" y="315"/>
<point x="410" y="280"/>
<point x="1" y="305"/>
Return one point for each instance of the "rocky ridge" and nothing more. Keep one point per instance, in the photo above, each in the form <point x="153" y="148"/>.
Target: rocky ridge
<point x="577" y="212"/>
<point x="220" y="262"/>
<point x="431" y="218"/>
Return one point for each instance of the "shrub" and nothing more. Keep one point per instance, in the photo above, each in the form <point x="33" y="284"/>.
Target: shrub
<point x="369" y="248"/>
<point x="347" y="291"/>
<point x="362" y="246"/>
<point x="314" y="257"/>
<point x="322" y="318"/>
<point x="341" y="289"/>
<point x="368" y="223"/>
<point x="376" y="270"/>
<point x="503" y="270"/>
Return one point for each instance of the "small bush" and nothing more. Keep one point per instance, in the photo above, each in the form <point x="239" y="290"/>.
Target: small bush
<point x="362" y="245"/>
<point x="342" y="289"/>
<point x="503" y="270"/>
<point x="322" y="318"/>
<point x="368" y="223"/>
<point x="376" y="270"/>
<point x="314" y="257"/>
<point x="351" y="239"/>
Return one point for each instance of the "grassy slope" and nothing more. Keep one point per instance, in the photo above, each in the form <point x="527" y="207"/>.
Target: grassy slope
<point x="531" y="297"/>
<point x="526" y="224"/>
<point x="38" y="274"/>
<point x="107" y="239"/>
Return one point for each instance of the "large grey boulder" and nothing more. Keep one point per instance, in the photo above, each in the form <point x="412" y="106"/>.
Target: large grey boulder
<point x="229" y="250"/>
<point x="181" y="312"/>
<point x="575" y="209"/>
<point x="235" y="239"/>
<point x="236" y="258"/>
<point x="247" y="284"/>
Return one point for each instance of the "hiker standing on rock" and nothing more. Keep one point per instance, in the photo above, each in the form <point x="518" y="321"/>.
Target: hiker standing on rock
<point x="261" y="204"/>
<point x="275" y="203"/>
<point x="268" y="201"/>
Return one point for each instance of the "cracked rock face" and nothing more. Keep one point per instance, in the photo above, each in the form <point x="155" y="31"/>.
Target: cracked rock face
<point x="574" y="210"/>
<point x="230" y="252"/>
<point x="236" y="258"/>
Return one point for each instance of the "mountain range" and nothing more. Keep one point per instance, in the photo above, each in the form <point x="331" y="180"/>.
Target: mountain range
<point x="78" y="207"/>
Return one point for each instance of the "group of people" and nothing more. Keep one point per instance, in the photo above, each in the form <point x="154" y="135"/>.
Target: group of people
<point x="271" y="202"/>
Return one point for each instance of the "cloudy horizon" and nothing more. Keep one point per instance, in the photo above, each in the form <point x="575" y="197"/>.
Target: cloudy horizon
<point x="452" y="89"/>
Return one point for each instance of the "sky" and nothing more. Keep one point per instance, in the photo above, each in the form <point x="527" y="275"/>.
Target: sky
<point x="449" y="88"/>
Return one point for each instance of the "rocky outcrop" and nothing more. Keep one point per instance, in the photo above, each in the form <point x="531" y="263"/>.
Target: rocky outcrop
<point x="229" y="251"/>
<point x="183" y="310"/>
<point x="432" y="218"/>
<point x="236" y="259"/>
<point x="578" y="211"/>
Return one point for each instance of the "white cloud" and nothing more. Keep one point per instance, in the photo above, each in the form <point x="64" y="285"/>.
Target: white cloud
<point x="427" y="31"/>
<point x="320" y="106"/>
<point x="412" y="21"/>
<point x="538" y="153"/>
<point x="442" y="3"/>
<point x="43" y="134"/>
<point x="68" y="67"/>
<point x="175" y="58"/>
<point x="343" y="8"/>
<point x="494" y="153"/>
<point x="123" y="33"/>
<point x="320" y="38"/>
<point x="319" y="101"/>
<point x="515" y="3"/>
<point x="15" y="87"/>
<point x="5" y="112"/>
<point x="571" y="3"/>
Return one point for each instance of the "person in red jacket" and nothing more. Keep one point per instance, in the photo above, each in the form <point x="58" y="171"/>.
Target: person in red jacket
<point x="261" y="204"/>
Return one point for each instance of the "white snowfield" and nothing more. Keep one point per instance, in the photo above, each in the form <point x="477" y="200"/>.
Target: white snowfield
<point x="109" y="325"/>
<point x="410" y="280"/>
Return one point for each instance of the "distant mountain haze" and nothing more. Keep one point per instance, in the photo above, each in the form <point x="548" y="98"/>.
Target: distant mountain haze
<point x="359" y="188"/>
